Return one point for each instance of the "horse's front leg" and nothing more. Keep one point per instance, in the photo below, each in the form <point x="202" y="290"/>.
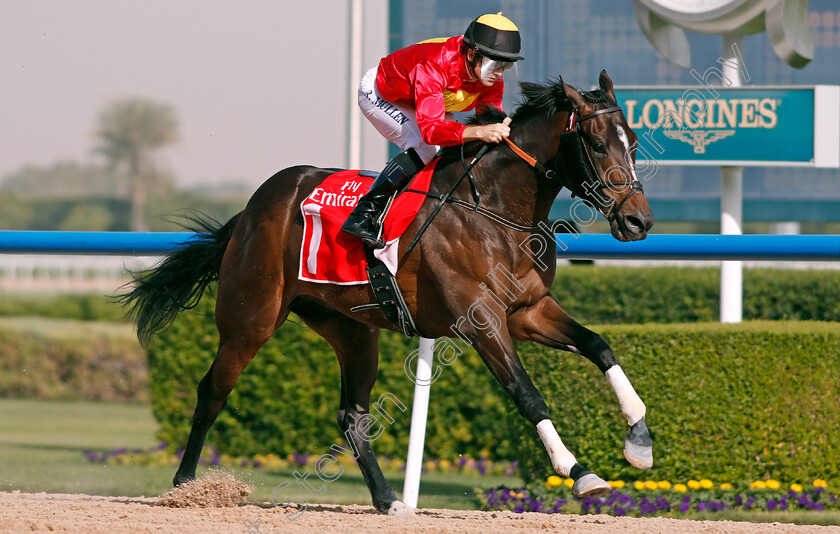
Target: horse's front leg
<point x="498" y="353"/>
<point x="547" y="324"/>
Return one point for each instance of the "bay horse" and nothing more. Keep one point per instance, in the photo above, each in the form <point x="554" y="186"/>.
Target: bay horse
<point x="255" y="258"/>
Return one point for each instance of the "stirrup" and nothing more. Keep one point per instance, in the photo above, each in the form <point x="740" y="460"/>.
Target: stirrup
<point x="361" y="229"/>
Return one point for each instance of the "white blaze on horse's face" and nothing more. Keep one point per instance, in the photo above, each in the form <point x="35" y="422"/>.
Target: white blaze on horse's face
<point x="628" y="156"/>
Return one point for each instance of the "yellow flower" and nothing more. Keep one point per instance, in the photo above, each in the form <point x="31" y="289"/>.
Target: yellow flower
<point x="617" y="484"/>
<point x="569" y="482"/>
<point x="693" y="484"/>
<point x="663" y="484"/>
<point x="726" y="486"/>
<point x="639" y="485"/>
<point x="796" y="487"/>
<point x="554" y="481"/>
<point x="651" y="485"/>
<point x="773" y="484"/>
<point x="820" y="483"/>
<point x="680" y="487"/>
<point x="758" y="484"/>
<point x="706" y="484"/>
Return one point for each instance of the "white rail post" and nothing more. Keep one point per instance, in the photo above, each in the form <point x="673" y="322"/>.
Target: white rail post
<point x="731" y="203"/>
<point x="354" y="119"/>
<point x="419" y="412"/>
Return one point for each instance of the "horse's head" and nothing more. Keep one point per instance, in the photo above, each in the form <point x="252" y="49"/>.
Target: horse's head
<point x="598" y="160"/>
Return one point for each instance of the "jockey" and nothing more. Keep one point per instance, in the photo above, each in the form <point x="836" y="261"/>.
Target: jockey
<point x="409" y="98"/>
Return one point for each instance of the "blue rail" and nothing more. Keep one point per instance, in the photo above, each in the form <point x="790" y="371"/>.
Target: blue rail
<point x="585" y="246"/>
<point x="702" y="247"/>
<point x="98" y="243"/>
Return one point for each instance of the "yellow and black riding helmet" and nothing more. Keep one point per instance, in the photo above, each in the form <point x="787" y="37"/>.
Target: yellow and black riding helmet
<point x="494" y="36"/>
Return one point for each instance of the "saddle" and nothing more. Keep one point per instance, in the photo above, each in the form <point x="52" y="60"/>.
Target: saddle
<point x="329" y="256"/>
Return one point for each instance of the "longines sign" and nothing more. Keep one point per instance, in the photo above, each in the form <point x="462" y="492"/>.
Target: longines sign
<point x="745" y="126"/>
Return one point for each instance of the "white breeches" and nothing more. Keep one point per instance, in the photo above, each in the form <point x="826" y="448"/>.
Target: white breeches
<point x="396" y="122"/>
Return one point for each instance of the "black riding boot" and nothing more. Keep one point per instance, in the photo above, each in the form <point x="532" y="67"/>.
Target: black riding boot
<point x="365" y="222"/>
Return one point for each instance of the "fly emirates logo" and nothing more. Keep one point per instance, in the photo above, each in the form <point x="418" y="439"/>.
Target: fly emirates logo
<point x="700" y="122"/>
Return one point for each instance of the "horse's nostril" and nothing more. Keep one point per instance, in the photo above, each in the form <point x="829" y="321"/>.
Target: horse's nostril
<point x="634" y="223"/>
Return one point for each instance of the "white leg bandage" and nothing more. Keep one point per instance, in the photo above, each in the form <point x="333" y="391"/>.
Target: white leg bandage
<point x="631" y="405"/>
<point x="561" y="459"/>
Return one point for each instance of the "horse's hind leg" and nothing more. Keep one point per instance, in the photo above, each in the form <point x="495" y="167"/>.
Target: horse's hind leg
<point x="246" y="320"/>
<point x="546" y="323"/>
<point x="355" y="345"/>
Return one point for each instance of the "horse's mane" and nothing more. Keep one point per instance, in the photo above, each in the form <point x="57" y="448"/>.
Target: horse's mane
<point x="538" y="100"/>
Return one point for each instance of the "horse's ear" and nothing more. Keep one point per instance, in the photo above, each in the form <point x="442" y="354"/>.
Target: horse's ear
<point x="606" y="84"/>
<point x="573" y="95"/>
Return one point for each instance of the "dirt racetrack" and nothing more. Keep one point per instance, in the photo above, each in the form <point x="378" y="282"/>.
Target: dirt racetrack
<point x="41" y="512"/>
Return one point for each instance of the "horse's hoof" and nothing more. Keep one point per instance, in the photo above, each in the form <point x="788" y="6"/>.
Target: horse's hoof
<point x="178" y="480"/>
<point x="638" y="447"/>
<point x="639" y="457"/>
<point x="590" y="485"/>
<point x="400" y="509"/>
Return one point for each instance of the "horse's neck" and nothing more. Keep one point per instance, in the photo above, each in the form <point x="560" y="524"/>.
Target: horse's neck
<point x="513" y="188"/>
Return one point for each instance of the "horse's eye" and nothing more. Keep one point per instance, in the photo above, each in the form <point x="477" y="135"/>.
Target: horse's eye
<point x="598" y="146"/>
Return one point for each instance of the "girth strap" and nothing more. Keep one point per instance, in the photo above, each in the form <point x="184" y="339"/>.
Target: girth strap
<point x="389" y="296"/>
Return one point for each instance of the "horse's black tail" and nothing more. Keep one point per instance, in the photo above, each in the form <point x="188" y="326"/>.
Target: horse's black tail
<point x="177" y="282"/>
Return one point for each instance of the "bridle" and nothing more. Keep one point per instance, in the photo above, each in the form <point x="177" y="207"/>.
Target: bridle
<point x="573" y="158"/>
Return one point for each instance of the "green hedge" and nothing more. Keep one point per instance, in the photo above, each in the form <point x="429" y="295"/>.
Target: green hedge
<point x="71" y="360"/>
<point x="728" y="402"/>
<point x="76" y="306"/>
<point x="725" y="402"/>
<point x="287" y="399"/>
<point x="592" y="294"/>
<point x="632" y="295"/>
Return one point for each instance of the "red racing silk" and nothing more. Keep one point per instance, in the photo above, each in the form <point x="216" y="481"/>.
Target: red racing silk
<point x="434" y="78"/>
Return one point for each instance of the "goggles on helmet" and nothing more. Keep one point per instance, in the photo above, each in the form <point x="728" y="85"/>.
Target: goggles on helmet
<point x="491" y="66"/>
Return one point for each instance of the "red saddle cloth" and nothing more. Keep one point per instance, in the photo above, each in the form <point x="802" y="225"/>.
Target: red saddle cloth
<point x="328" y="255"/>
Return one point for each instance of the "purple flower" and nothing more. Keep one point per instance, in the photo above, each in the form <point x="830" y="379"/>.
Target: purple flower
<point x="701" y="507"/>
<point x="663" y="504"/>
<point x="620" y="511"/>
<point x="771" y="504"/>
<point x="738" y="501"/>
<point x="215" y="459"/>
<point x="748" y="504"/>
<point x="519" y="508"/>
<point x="684" y="507"/>
<point x="647" y="508"/>
<point x="624" y="499"/>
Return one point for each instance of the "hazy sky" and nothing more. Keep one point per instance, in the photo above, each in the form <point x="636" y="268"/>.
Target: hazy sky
<point x="257" y="85"/>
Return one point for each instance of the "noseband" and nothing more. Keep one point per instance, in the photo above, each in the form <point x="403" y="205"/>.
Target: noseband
<point x="573" y="159"/>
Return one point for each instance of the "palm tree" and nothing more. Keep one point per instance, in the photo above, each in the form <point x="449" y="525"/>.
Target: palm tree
<point x="129" y="132"/>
